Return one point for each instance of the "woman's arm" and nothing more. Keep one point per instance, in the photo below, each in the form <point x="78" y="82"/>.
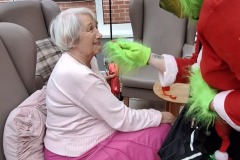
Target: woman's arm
<point x="102" y="104"/>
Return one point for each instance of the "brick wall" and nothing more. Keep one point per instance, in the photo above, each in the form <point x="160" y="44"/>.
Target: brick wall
<point x="66" y="5"/>
<point x="120" y="11"/>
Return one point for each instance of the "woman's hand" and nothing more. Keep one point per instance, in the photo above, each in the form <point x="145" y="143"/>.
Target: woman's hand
<point x="168" y="117"/>
<point x="109" y="76"/>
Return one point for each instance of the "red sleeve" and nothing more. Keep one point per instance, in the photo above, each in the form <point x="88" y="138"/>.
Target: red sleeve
<point x="232" y="106"/>
<point x="183" y="68"/>
<point x="185" y="63"/>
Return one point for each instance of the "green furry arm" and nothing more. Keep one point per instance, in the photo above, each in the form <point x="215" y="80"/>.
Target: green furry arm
<point x="182" y="8"/>
<point x="126" y="54"/>
<point x="191" y="8"/>
<point x="201" y="94"/>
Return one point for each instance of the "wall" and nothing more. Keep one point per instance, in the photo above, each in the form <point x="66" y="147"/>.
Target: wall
<point x="74" y="4"/>
<point x="120" y="9"/>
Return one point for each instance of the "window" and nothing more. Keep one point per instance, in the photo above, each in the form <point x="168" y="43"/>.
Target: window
<point x="118" y="30"/>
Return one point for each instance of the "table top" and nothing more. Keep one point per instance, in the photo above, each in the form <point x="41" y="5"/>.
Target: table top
<point x="178" y="92"/>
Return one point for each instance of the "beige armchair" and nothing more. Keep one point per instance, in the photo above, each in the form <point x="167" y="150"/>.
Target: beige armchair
<point x="34" y="15"/>
<point x="17" y="70"/>
<point x="165" y="34"/>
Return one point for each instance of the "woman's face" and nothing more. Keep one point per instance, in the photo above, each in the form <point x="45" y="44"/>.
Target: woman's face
<point x="90" y="36"/>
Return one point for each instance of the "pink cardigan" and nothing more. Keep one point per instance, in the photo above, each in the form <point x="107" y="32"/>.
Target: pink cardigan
<point x="82" y="111"/>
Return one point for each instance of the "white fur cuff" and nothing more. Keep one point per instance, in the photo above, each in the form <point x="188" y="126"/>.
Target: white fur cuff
<point x="221" y="155"/>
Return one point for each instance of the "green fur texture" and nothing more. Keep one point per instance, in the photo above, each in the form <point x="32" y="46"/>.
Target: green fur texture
<point x="172" y="6"/>
<point x="191" y="8"/>
<point x="127" y="55"/>
<point x="201" y="94"/>
<point x="182" y="8"/>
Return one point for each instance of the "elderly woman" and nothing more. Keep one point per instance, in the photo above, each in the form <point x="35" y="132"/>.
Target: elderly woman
<point x="84" y="119"/>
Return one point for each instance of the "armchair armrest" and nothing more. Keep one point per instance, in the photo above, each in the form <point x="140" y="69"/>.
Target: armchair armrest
<point x="187" y="50"/>
<point x="188" y="47"/>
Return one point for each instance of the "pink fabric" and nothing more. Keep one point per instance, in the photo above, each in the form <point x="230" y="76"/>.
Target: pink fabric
<point x="139" y="145"/>
<point x="25" y="128"/>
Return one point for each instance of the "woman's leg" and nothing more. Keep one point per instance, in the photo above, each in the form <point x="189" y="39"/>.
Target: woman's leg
<point x="138" y="145"/>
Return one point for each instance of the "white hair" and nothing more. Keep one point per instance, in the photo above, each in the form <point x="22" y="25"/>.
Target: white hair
<point x="65" y="28"/>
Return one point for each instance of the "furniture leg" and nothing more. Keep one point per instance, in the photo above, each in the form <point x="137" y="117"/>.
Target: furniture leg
<point x="126" y="101"/>
<point x="174" y="108"/>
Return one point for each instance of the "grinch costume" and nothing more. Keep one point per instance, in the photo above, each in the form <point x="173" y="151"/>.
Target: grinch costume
<point x="216" y="57"/>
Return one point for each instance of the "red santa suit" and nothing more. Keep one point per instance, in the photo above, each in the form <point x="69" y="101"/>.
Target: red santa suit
<point x="219" y="59"/>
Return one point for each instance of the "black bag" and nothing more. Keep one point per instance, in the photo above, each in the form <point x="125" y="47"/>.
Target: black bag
<point x="187" y="141"/>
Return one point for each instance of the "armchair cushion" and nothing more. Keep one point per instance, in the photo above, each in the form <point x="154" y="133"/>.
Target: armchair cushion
<point x="137" y="78"/>
<point x="25" y="128"/>
<point x="47" y="56"/>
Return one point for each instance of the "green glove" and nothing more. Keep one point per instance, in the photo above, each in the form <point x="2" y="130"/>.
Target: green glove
<point x="126" y="54"/>
<point x="135" y="51"/>
<point x="201" y="95"/>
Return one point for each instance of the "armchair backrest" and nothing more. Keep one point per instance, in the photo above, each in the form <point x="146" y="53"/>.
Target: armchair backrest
<point x="17" y="70"/>
<point x="159" y="29"/>
<point x="35" y="15"/>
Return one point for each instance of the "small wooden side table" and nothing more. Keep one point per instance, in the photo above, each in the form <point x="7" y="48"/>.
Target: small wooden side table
<point x="175" y="97"/>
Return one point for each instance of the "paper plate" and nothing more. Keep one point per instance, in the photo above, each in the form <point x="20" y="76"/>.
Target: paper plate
<point x="178" y="92"/>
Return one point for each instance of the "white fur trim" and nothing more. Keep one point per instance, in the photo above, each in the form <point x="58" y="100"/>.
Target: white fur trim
<point x="218" y="104"/>
<point x="221" y="155"/>
<point x="199" y="58"/>
<point x="195" y="66"/>
<point x="169" y="76"/>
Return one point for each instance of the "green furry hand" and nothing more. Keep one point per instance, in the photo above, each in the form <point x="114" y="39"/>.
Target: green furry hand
<point x="135" y="51"/>
<point x="201" y="95"/>
<point x="126" y="54"/>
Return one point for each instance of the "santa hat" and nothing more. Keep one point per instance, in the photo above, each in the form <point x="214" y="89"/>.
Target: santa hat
<point x="223" y="130"/>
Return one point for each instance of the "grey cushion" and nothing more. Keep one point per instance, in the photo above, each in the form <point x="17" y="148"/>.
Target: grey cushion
<point x="144" y="77"/>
